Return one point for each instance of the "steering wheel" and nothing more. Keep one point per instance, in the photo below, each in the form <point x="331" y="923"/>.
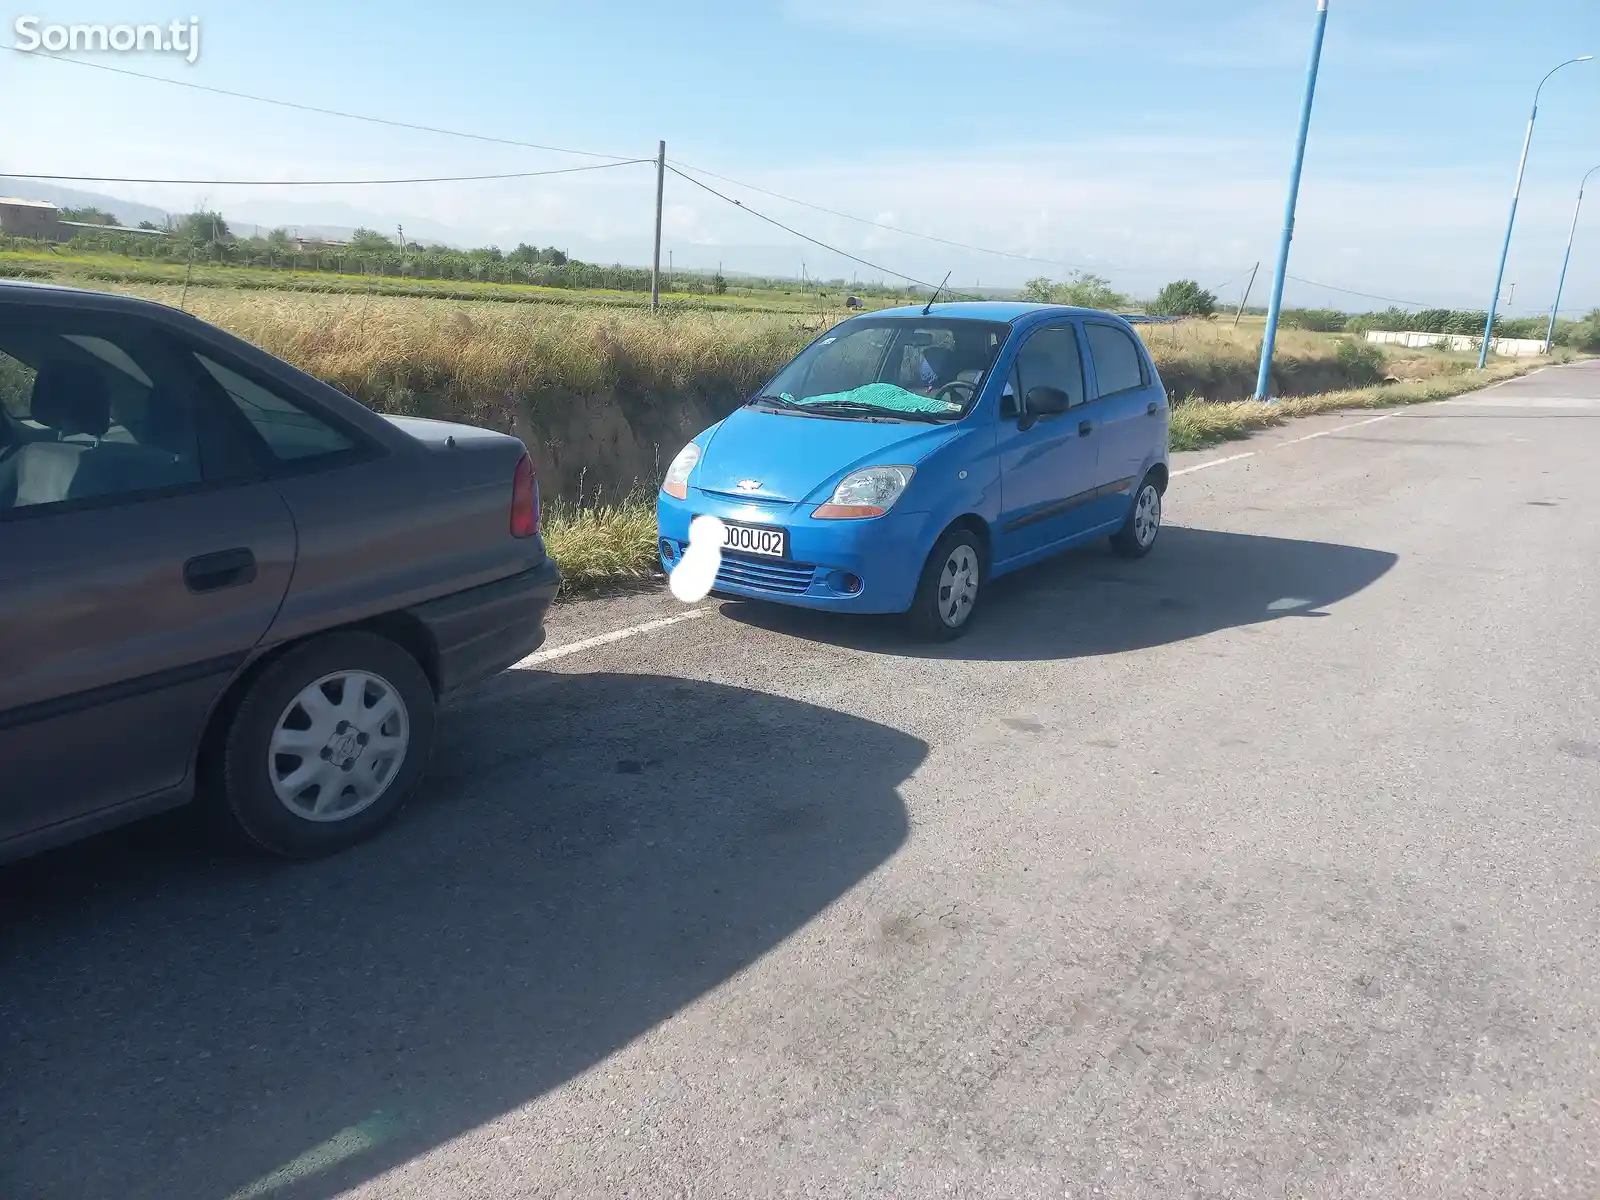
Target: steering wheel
<point x="956" y="385"/>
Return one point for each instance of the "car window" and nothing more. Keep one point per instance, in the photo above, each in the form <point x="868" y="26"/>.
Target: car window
<point x="16" y="385"/>
<point x="91" y="413"/>
<point x="842" y="363"/>
<point x="290" y="432"/>
<point x="1050" y="358"/>
<point x="1118" y="365"/>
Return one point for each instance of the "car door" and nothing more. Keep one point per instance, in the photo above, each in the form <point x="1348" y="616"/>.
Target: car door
<point x="1048" y="464"/>
<point x="1132" y="407"/>
<point x="141" y="559"/>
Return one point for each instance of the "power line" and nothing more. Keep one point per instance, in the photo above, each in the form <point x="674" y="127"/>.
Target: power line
<point x="323" y="182"/>
<point x="1364" y="295"/>
<point x="795" y="232"/>
<point x="927" y="237"/>
<point x="326" y="112"/>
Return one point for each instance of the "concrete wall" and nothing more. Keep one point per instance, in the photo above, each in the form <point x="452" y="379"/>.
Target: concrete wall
<point x="22" y="218"/>
<point x="1509" y="347"/>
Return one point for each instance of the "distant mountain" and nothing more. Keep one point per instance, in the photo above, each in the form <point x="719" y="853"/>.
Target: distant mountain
<point x="126" y="211"/>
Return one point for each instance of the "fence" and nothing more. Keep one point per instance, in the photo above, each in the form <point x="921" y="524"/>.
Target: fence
<point x="1509" y="347"/>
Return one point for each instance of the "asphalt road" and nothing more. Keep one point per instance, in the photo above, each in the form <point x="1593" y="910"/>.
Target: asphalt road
<point x="1262" y="867"/>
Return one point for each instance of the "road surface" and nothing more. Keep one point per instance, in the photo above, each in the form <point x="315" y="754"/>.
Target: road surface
<point x="1263" y="867"/>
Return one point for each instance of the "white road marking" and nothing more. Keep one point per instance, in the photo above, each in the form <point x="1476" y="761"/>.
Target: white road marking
<point x="541" y="657"/>
<point x="1341" y="428"/>
<point x="1215" y="462"/>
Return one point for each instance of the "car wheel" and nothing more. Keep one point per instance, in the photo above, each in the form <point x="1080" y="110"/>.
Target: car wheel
<point x="326" y="746"/>
<point x="948" y="592"/>
<point x="1137" y="537"/>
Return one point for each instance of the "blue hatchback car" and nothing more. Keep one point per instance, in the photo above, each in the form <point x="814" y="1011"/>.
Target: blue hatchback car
<point x="907" y="457"/>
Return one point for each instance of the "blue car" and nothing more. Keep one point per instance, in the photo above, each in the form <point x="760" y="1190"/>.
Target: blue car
<point x="907" y="457"/>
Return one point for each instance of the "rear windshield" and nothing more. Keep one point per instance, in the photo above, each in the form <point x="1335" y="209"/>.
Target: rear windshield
<point x="924" y="368"/>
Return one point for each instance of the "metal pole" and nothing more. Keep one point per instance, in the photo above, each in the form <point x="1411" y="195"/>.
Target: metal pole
<point x="655" y="263"/>
<point x="1245" y="299"/>
<point x="1275" y="305"/>
<point x="1511" y="221"/>
<point x="1550" y="333"/>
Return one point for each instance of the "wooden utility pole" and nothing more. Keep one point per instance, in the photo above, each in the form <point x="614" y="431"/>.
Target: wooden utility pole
<point x="655" y="262"/>
<point x="1246" y="299"/>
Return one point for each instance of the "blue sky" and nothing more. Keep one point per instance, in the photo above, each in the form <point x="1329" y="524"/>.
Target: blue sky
<point x="1147" y="139"/>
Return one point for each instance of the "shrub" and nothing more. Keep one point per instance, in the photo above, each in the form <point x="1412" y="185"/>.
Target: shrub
<point x="1184" y="298"/>
<point x="1361" y="362"/>
<point x="1316" y="320"/>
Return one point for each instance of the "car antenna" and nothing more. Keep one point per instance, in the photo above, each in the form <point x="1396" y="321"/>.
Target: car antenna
<point x="935" y="295"/>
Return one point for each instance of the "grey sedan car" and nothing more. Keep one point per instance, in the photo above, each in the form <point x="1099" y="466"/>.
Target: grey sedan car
<point x="221" y="578"/>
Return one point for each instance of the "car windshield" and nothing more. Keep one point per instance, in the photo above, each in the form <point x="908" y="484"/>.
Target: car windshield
<point x="910" y="368"/>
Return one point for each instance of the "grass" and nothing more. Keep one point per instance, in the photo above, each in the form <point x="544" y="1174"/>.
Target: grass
<point x="116" y="272"/>
<point x="1197" y="424"/>
<point x="603" y="545"/>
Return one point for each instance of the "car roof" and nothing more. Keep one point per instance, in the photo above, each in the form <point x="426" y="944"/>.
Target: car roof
<point x="987" y="310"/>
<point x="27" y="289"/>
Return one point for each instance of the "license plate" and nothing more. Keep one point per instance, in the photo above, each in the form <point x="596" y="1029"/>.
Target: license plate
<point x="765" y="540"/>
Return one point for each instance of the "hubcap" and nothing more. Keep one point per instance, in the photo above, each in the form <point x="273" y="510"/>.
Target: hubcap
<point x="338" y="746"/>
<point x="958" y="586"/>
<point x="1147" y="514"/>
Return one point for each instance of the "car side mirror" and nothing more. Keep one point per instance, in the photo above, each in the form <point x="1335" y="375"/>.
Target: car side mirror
<point x="1043" y="401"/>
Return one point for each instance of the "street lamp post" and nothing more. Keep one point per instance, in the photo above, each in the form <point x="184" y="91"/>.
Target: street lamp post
<point x="1516" y="194"/>
<point x="1275" y="302"/>
<point x="1550" y="333"/>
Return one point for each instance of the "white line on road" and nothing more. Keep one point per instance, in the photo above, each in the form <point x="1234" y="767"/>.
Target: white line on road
<point x="1215" y="462"/>
<point x="605" y="639"/>
<point x="1340" y="429"/>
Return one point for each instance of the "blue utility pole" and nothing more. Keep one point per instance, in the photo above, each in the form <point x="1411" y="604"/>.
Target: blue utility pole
<point x="1264" y="380"/>
<point x="1516" y="194"/>
<point x="1550" y="333"/>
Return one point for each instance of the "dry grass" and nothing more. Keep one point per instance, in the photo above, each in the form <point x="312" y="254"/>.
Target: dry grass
<point x="603" y="545"/>
<point x="475" y="361"/>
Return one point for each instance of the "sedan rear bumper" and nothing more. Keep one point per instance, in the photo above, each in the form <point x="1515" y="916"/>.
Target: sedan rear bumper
<point x="480" y="632"/>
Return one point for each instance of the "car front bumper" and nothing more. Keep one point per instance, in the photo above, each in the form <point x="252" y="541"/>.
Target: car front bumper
<point x="865" y="566"/>
<point x="480" y="632"/>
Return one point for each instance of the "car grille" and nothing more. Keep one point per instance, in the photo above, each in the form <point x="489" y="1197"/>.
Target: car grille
<point x="767" y="575"/>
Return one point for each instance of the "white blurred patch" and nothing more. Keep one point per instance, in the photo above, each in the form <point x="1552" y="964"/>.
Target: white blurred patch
<point x="696" y="571"/>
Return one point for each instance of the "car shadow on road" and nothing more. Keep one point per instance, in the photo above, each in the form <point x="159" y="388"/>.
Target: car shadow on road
<point x="1089" y="602"/>
<point x="591" y="853"/>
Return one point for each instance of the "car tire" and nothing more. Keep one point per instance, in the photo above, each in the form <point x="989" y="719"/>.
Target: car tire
<point x="1137" y="537"/>
<point x="951" y="586"/>
<point x="301" y="777"/>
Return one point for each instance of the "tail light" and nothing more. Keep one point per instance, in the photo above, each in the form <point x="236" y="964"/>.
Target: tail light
<point x="524" y="500"/>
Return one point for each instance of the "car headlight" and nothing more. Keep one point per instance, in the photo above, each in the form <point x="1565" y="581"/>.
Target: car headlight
<point x="676" y="483"/>
<point x="870" y="492"/>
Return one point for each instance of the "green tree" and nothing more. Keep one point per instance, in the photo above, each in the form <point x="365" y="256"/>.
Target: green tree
<point x="1038" y="290"/>
<point x="719" y="285"/>
<point x="278" y="239"/>
<point x="89" y="216"/>
<point x="1087" y="290"/>
<point x="1184" y="298"/>
<point x="201" y="228"/>
<point x="370" y="241"/>
<point x="1081" y="289"/>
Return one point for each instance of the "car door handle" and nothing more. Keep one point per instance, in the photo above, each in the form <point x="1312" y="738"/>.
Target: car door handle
<point x="224" y="569"/>
<point x="1151" y="409"/>
<point x="1085" y="428"/>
